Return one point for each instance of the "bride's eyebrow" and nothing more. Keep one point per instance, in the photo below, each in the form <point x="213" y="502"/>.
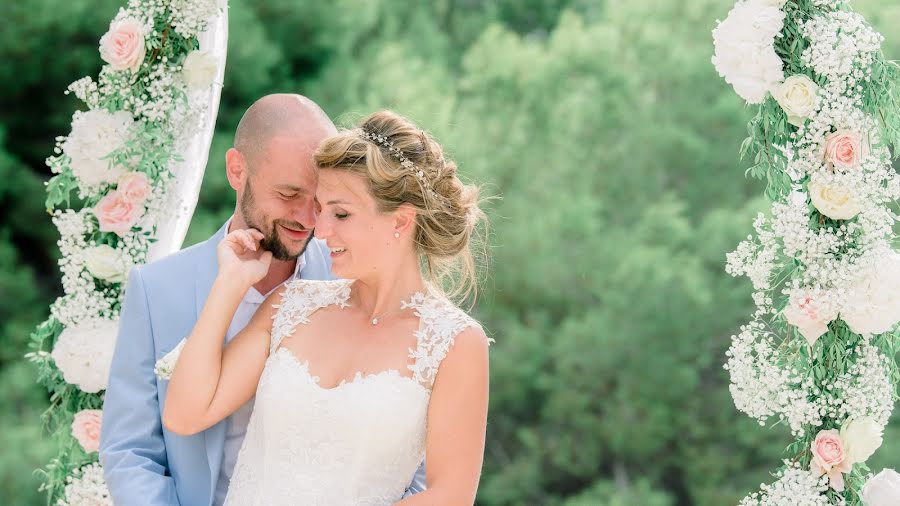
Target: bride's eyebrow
<point x="333" y="202"/>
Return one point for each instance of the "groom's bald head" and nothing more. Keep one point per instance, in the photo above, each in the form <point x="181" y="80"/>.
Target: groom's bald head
<point x="281" y="115"/>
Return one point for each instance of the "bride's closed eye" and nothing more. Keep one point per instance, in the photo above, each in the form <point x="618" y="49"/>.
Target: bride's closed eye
<point x="341" y="216"/>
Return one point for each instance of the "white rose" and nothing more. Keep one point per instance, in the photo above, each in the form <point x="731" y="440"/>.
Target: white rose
<point x="833" y="201"/>
<point x="96" y="134"/>
<point x="873" y="304"/>
<point x="776" y="3"/>
<point x="166" y="365"/>
<point x="883" y="489"/>
<point x="84" y="353"/>
<point x="861" y="438"/>
<point x="797" y="96"/>
<point x="745" y="49"/>
<point x="200" y="69"/>
<point x="811" y="318"/>
<point x="106" y="263"/>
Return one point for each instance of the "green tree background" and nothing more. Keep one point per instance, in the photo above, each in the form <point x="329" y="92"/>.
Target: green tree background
<point x="613" y="144"/>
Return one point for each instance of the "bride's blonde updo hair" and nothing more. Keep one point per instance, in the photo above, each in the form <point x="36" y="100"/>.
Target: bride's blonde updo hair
<point x="405" y="165"/>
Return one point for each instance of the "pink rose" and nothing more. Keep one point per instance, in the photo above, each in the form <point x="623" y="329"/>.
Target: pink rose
<point x="116" y="214"/>
<point x="86" y="429"/>
<point x="123" y="45"/>
<point x="844" y="149"/>
<point x="134" y="187"/>
<point x="829" y="458"/>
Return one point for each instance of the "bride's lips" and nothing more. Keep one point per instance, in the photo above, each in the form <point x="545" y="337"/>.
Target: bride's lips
<point x="297" y="235"/>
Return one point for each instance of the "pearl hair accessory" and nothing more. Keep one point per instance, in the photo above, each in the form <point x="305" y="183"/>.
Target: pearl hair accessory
<point x="406" y="163"/>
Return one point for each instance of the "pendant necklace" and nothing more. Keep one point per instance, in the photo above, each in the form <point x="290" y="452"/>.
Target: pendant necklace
<point x="378" y="317"/>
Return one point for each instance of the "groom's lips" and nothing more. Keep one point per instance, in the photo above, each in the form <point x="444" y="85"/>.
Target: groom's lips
<point x="296" y="235"/>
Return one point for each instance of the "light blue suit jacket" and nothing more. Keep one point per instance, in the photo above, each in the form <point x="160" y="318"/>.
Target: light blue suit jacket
<point x="143" y="463"/>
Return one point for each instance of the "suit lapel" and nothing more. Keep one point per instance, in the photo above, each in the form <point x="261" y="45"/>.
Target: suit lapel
<point x="207" y="268"/>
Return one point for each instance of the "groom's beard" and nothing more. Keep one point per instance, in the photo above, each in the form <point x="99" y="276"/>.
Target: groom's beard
<point x="270" y="241"/>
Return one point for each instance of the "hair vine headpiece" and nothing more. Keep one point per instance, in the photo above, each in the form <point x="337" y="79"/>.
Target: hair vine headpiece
<point x="405" y="162"/>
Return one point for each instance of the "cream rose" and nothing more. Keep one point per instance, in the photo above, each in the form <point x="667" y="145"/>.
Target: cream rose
<point x="833" y="202"/>
<point x="797" y="96"/>
<point x="116" y="214"/>
<point x="106" y="263"/>
<point x="134" y="187"/>
<point x="830" y="458"/>
<point x="883" y="489"/>
<point x="861" y="438"/>
<point x="86" y="429"/>
<point x="200" y="69"/>
<point x="808" y="316"/>
<point x="123" y="45"/>
<point x="844" y="149"/>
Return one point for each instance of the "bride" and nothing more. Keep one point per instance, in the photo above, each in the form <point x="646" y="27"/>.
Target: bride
<point x="355" y="379"/>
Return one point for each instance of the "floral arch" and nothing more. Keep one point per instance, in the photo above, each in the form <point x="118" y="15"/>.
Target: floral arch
<point x="126" y="181"/>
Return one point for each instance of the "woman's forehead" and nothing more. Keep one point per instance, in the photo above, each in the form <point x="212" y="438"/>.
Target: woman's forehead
<point x="341" y="185"/>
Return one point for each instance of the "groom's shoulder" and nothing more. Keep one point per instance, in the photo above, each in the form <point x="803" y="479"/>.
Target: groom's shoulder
<point x="183" y="264"/>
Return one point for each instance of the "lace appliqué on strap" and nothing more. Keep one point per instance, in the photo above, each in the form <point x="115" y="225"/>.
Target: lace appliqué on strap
<point x="441" y="322"/>
<point x="301" y="299"/>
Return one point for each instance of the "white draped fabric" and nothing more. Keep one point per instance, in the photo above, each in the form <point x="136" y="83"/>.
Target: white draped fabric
<point x="195" y="148"/>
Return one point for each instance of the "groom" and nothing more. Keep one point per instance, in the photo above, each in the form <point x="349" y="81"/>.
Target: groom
<point x="271" y="170"/>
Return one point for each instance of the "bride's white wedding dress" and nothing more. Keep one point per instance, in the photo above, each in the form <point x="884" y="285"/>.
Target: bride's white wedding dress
<point x="359" y="443"/>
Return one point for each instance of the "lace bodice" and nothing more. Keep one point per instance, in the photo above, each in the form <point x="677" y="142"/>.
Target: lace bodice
<point x="359" y="443"/>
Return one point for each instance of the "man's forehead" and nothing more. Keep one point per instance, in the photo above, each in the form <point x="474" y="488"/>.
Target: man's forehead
<point x="289" y="163"/>
<point x="298" y="137"/>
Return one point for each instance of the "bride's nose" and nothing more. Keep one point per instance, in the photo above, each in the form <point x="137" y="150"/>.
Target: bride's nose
<point x="323" y="227"/>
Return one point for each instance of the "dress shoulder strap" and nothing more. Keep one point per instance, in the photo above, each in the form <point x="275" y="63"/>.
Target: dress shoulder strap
<point x="302" y="298"/>
<point x="440" y="322"/>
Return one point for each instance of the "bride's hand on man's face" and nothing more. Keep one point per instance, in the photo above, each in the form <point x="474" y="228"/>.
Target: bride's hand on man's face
<point x="241" y="258"/>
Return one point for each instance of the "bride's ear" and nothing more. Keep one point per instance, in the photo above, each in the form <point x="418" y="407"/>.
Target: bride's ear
<point x="404" y="219"/>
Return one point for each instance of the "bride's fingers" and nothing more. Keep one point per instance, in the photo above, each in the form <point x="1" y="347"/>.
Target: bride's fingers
<point x="256" y="234"/>
<point x="240" y="242"/>
<point x="248" y="241"/>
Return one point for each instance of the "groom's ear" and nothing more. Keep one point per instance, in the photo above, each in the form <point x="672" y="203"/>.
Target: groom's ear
<point x="404" y="218"/>
<point x="236" y="169"/>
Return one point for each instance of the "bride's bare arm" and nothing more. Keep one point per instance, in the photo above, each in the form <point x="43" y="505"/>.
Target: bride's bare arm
<point x="457" y="421"/>
<point x="210" y="383"/>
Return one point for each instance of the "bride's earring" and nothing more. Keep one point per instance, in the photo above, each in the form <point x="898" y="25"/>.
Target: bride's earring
<point x="396" y="235"/>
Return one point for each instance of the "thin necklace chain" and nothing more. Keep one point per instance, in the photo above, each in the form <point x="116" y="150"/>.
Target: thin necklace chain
<point x="378" y="317"/>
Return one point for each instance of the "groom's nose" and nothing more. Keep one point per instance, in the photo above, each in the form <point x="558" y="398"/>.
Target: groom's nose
<point x="305" y="214"/>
